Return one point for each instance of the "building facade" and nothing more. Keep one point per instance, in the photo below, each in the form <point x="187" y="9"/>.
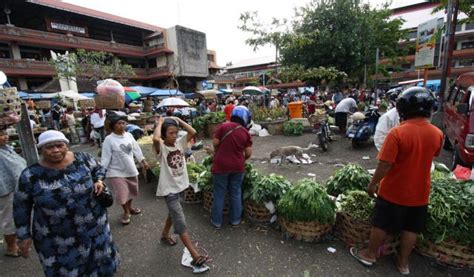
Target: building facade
<point x="26" y="41"/>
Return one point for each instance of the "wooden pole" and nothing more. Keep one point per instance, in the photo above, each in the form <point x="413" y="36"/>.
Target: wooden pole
<point x="27" y="139"/>
<point x="425" y="77"/>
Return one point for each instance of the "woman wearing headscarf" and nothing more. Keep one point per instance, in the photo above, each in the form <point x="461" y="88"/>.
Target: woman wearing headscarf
<point x="11" y="166"/>
<point x="69" y="228"/>
<point x="118" y="153"/>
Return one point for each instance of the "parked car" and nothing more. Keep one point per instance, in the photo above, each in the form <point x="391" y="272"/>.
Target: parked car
<point x="458" y="121"/>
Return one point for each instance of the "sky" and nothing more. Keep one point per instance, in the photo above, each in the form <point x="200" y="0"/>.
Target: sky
<point x="217" y="18"/>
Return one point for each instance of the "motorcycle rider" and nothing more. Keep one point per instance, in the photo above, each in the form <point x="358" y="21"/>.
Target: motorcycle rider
<point x="386" y="122"/>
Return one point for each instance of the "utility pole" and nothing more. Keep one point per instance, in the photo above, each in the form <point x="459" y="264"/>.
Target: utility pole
<point x="377" y="54"/>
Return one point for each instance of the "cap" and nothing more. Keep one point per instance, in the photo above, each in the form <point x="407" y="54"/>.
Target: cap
<point x="51" y="136"/>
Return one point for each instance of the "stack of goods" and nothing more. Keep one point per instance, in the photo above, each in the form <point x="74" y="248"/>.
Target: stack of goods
<point x="262" y="196"/>
<point x="9" y="106"/>
<point x="110" y="95"/>
<point x="306" y="212"/>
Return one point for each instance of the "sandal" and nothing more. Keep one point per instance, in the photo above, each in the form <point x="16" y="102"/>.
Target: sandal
<point x="168" y="241"/>
<point x="135" y="211"/>
<point x="355" y="253"/>
<point x="199" y="261"/>
<point x="402" y="271"/>
<point x="13" y="254"/>
<point x="125" y="220"/>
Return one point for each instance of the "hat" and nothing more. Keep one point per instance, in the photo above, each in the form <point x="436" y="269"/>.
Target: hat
<point x="51" y="136"/>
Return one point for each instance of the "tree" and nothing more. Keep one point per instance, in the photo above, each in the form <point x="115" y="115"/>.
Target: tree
<point x="465" y="6"/>
<point x="91" y="65"/>
<point x="311" y="76"/>
<point x="333" y="33"/>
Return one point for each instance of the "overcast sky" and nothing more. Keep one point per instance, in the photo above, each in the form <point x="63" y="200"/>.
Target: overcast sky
<point x="217" y="18"/>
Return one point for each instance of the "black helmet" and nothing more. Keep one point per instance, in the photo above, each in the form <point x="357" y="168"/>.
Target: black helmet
<point x="415" y="102"/>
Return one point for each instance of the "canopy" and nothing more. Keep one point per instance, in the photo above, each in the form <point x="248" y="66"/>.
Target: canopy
<point x="131" y="94"/>
<point x="254" y="90"/>
<point x="72" y="95"/>
<point x="173" y="102"/>
<point x="208" y="94"/>
<point x="226" y="91"/>
<point x="166" y="93"/>
<point x="144" y="91"/>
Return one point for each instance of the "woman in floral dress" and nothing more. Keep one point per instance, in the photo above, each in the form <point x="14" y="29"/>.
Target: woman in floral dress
<point x="70" y="230"/>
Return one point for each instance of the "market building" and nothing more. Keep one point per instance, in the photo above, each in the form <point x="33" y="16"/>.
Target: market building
<point x="158" y="56"/>
<point x="415" y="12"/>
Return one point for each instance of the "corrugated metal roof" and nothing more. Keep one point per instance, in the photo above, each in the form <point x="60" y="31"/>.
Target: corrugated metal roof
<point x="252" y="62"/>
<point x="396" y="4"/>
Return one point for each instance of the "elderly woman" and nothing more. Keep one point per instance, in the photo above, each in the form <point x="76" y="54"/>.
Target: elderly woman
<point x="69" y="229"/>
<point x="118" y="153"/>
<point x="11" y="166"/>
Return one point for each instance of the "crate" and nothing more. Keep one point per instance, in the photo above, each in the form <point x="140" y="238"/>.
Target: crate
<point x="312" y="231"/>
<point x="10" y="101"/>
<point x="447" y="252"/>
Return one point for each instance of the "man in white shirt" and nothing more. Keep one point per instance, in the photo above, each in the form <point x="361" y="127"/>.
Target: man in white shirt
<point x="346" y="106"/>
<point x="386" y="122"/>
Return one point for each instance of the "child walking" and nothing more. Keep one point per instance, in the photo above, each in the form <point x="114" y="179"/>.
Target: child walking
<point x="174" y="179"/>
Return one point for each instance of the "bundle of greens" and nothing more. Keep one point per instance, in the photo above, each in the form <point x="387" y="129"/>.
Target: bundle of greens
<point x="307" y="201"/>
<point x="200" y="123"/>
<point x="194" y="169"/>
<point x="358" y="204"/>
<point x="268" y="188"/>
<point x="251" y="176"/>
<point x="451" y="212"/>
<point x="440" y="171"/>
<point x="156" y="171"/>
<point x="350" y="177"/>
<point x="204" y="179"/>
<point x="293" y="128"/>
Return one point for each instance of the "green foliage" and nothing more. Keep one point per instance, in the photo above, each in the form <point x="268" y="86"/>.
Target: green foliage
<point x="451" y="212"/>
<point x="358" y="204"/>
<point x="293" y="128"/>
<point x="204" y="179"/>
<point x="200" y="123"/>
<point x="311" y="76"/>
<point x="269" y="188"/>
<point x="93" y="65"/>
<point x="264" y="114"/>
<point x="465" y="6"/>
<point x="350" y="177"/>
<point x="194" y="169"/>
<point x="307" y="201"/>
<point x="250" y="178"/>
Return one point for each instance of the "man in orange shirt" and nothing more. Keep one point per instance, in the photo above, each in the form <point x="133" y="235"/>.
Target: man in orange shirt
<point x="403" y="172"/>
<point x="228" y="109"/>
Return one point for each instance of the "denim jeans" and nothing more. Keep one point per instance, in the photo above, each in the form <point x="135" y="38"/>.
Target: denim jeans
<point x="231" y="182"/>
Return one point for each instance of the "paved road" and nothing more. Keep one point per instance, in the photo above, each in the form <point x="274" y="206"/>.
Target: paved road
<point x="250" y="250"/>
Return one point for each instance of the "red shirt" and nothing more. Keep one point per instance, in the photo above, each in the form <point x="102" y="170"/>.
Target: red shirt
<point x="228" y="111"/>
<point x="410" y="148"/>
<point x="229" y="157"/>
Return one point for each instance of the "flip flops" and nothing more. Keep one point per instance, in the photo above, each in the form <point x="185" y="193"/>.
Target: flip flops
<point x="125" y="220"/>
<point x="135" y="211"/>
<point x="12" y="254"/>
<point x="168" y="241"/>
<point x="355" y="253"/>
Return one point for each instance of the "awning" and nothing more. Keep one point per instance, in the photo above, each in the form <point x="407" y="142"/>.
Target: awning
<point x="144" y="91"/>
<point x="166" y="93"/>
<point x="226" y="91"/>
<point x="72" y="95"/>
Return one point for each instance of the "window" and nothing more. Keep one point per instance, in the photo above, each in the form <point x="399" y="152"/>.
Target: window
<point x="466" y="62"/>
<point x="469" y="26"/>
<point x="467" y="44"/>
<point x="459" y="97"/>
<point x="412" y="34"/>
<point x="458" y="27"/>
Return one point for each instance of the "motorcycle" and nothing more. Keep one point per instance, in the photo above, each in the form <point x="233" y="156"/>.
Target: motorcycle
<point x="321" y="128"/>
<point x="363" y="128"/>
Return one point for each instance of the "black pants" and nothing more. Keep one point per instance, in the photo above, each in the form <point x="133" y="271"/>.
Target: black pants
<point x="341" y="121"/>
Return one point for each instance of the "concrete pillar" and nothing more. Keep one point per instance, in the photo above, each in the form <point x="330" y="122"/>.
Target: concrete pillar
<point x="15" y="50"/>
<point x="22" y="83"/>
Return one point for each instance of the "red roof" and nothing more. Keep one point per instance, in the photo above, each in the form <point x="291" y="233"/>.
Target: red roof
<point x="55" y="4"/>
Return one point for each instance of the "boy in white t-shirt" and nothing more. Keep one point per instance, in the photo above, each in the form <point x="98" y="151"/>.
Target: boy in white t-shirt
<point x="174" y="180"/>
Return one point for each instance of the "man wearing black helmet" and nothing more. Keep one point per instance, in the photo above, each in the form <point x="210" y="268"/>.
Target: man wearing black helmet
<point x="402" y="178"/>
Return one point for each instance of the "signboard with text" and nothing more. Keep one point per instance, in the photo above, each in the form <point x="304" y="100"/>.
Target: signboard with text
<point x="426" y="40"/>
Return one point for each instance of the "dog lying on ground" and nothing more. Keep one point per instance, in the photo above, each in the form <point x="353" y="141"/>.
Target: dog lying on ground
<point x="286" y="151"/>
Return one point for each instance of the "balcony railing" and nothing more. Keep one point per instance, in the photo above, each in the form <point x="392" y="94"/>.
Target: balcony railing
<point x="26" y="67"/>
<point x="22" y="35"/>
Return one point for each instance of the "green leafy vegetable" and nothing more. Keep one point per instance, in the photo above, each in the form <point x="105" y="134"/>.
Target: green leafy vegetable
<point x="307" y="201"/>
<point x="269" y="188"/>
<point x="350" y="177"/>
<point x="194" y="169"/>
<point x="293" y="128"/>
<point x="358" y="204"/>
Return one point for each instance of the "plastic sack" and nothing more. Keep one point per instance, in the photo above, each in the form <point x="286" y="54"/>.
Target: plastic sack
<point x="462" y="173"/>
<point x="109" y="86"/>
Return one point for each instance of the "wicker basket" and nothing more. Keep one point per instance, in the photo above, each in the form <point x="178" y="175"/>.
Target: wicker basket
<point x="10" y="100"/>
<point x="305" y="231"/>
<point x="208" y="198"/>
<point x="257" y="212"/>
<point x="192" y="197"/>
<point x="356" y="233"/>
<point x="447" y="252"/>
<point x="112" y="101"/>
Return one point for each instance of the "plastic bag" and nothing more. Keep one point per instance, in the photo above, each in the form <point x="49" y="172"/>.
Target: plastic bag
<point x="109" y="86"/>
<point x="462" y="173"/>
<point x="110" y="95"/>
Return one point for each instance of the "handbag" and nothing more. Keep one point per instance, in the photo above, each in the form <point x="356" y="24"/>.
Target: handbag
<point x="105" y="199"/>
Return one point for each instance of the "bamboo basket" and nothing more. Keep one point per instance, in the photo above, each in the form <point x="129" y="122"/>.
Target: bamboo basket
<point x="191" y="197"/>
<point x="447" y="252"/>
<point x="356" y="233"/>
<point x="208" y="199"/>
<point x="305" y="231"/>
<point x="257" y="212"/>
<point x="111" y="101"/>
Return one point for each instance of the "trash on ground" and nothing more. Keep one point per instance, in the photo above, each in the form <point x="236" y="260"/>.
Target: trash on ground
<point x="331" y="249"/>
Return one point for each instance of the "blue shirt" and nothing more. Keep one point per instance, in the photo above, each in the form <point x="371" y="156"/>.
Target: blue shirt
<point x="11" y="166"/>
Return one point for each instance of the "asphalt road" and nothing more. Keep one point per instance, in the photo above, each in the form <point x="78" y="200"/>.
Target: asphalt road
<point x="251" y="249"/>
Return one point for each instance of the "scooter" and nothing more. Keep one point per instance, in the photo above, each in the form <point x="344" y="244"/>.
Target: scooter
<point x="321" y="128"/>
<point x="361" y="130"/>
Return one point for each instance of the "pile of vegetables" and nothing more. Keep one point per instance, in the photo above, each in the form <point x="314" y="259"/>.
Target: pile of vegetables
<point x="350" y="177"/>
<point x="451" y="211"/>
<point x="293" y="128"/>
<point x="194" y="169"/>
<point x="358" y="204"/>
<point x="440" y="171"/>
<point x="263" y="114"/>
<point x="251" y="176"/>
<point x="204" y="179"/>
<point x="200" y="124"/>
<point x="307" y="201"/>
<point x="268" y="188"/>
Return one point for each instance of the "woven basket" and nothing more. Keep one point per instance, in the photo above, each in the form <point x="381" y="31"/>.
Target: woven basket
<point x="257" y="212"/>
<point x="192" y="197"/>
<point x="447" y="252"/>
<point x="305" y="231"/>
<point x="208" y="198"/>
<point x="9" y="100"/>
<point x="112" y="101"/>
<point x="356" y="233"/>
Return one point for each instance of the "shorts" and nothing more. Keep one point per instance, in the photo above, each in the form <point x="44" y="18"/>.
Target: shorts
<point x="7" y="226"/>
<point x="173" y="201"/>
<point x="394" y="218"/>
<point x="341" y="120"/>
